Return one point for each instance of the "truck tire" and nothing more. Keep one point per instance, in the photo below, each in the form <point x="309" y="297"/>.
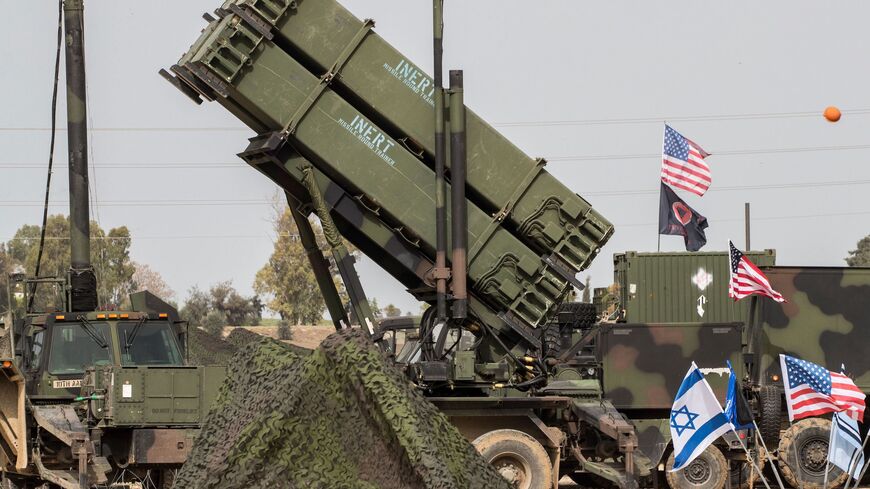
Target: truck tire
<point x="803" y="455"/>
<point x="708" y="471"/>
<point x="743" y="475"/>
<point x="770" y="414"/>
<point x="518" y="457"/>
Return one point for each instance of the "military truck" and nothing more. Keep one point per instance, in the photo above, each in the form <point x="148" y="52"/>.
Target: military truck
<point x="362" y="138"/>
<point x="824" y="321"/>
<point x="91" y="397"/>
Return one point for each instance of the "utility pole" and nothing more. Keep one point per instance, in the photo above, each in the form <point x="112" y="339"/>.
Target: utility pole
<point x="746" y="224"/>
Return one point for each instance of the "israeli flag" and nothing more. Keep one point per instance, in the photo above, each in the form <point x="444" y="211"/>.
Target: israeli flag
<point x="846" y="451"/>
<point x="697" y="419"/>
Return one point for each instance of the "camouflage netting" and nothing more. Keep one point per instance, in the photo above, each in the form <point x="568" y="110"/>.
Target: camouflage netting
<point x="206" y="349"/>
<point x="341" y="417"/>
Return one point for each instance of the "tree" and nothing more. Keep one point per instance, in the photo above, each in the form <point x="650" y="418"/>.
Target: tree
<point x="587" y="291"/>
<point x="110" y="257"/>
<point x="392" y="311"/>
<point x="284" y="330"/>
<point x="146" y="278"/>
<point x="196" y="307"/>
<point x="5" y="270"/>
<point x="860" y="257"/>
<point x="214" y="323"/>
<point x="287" y="280"/>
<point x="237" y="310"/>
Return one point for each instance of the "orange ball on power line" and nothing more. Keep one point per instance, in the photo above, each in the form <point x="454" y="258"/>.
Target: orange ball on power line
<point x="832" y="114"/>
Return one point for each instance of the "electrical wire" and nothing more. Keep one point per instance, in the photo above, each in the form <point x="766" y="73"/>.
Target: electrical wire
<point x="50" y="151"/>
<point x="541" y="123"/>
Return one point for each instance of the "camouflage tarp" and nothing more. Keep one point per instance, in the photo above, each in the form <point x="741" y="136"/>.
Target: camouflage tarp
<point x="207" y="349"/>
<point x="341" y="417"/>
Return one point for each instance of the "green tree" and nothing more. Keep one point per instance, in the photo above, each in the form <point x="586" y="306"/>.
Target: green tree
<point x="5" y="270"/>
<point x="284" y="330"/>
<point x="110" y="257"/>
<point x="860" y="257"/>
<point x="214" y="323"/>
<point x="392" y="311"/>
<point x="196" y="307"/>
<point x="237" y="310"/>
<point x="287" y="281"/>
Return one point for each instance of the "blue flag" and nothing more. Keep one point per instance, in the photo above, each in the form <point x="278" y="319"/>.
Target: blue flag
<point x="697" y="419"/>
<point x="736" y="408"/>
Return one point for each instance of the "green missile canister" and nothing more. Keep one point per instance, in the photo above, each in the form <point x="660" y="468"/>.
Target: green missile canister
<point x="393" y="92"/>
<point x="257" y="79"/>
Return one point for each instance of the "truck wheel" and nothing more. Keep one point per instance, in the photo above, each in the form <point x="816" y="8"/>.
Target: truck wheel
<point x="770" y="414"/>
<point x="707" y="471"/>
<point x="803" y="455"/>
<point x="518" y="457"/>
<point x="743" y="475"/>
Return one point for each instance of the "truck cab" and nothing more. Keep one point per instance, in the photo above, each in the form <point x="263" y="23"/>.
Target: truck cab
<point x="59" y="348"/>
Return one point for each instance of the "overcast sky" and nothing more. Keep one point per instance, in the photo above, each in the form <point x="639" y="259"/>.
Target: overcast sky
<point x="615" y="69"/>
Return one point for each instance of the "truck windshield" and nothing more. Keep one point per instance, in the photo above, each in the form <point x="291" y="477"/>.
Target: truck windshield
<point x="153" y="344"/>
<point x="73" y="349"/>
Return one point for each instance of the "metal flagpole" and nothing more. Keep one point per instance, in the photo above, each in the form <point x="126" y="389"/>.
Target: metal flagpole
<point x="769" y="457"/>
<point x="864" y="470"/>
<point x="751" y="460"/>
<point x="658" y="230"/>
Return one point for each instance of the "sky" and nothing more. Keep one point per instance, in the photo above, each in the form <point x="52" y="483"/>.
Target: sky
<point x="587" y="85"/>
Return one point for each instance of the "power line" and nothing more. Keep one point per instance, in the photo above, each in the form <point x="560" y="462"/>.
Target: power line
<point x="735" y="152"/>
<point x="615" y="193"/>
<point x="715" y="153"/>
<point x="662" y="119"/>
<point x="603" y="193"/>
<point x="272" y="237"/>
<point x="578" y="122"/>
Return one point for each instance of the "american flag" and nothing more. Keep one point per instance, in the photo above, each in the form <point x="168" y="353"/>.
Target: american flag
<point x="812" y="390"/>
<point x="683" y="163"/>
<point x="747" y="279"/>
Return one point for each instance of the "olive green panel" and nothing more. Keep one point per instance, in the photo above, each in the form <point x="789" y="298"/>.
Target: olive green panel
<point x="826" y="320"/>
<point x="644" y="364"/>
<point x="358" y="155"/>
<point x="680" y="287"/>
<point x="161" y="396"/>
<point x="392" y="91"/>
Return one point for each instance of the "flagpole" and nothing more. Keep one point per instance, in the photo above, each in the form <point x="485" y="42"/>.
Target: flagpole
<point x="864" y="470"/>
<point x="751" y="460"/>
<point x="769" y="457"/>
<point x="659" y="231"/>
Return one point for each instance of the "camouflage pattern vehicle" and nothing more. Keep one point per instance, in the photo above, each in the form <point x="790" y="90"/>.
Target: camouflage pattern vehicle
<point x="88" y="397"/>
<point x="826" y="321"/>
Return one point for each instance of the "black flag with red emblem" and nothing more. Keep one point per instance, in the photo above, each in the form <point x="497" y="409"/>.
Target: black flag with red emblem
<point x="676" y="217"/>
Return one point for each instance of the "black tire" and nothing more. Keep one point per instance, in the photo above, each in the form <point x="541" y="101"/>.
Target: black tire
<point x="518" y="457"/>
<point x="743" y="475"/>
<point x="551" y="341"/>
<point x="708" y="471"/>
<point x="770" y="414"/>
<point x="803" y="455"/>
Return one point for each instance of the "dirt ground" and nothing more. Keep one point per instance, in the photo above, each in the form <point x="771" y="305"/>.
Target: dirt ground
<point x="304" y="336"/>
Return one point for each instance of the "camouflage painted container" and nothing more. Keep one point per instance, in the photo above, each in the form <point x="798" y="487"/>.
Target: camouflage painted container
<point x="680" y="287"/>
<point x="644" y="364"/>
<point x="260" y="82"/>
<point x="826" y="320"/>
<point x="398" y="96"/>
